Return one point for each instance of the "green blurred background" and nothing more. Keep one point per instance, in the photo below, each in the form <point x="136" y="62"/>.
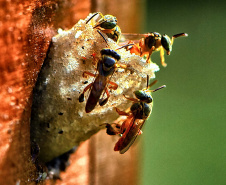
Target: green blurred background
<point x="185" y="137"/>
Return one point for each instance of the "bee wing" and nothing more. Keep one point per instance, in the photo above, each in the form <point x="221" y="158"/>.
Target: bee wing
<point x="135" y="37"/>
<point x="129" y="136"/>
<point x="106" y="82"/>
<point x="96" y="90"/>
<point x="132" y="135"/>
<point x="128" y="146"/>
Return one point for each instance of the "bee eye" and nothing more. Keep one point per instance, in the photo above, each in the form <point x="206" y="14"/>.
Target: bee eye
<point x="110" y="52"/>
<point x="166" y="43"/>
<point x="108" y="63"/>
<point x="116" y="55"/>
<point x="156" y="34"/>
<point x="109" y="22"/>
<point x="149" y="100"/>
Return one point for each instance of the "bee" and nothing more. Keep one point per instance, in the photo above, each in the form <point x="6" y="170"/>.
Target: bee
<point x="153" y="41"/>
<point x="108" y="25"/>
<point x="139" y="112"/>
<point x="113" y="128"/>
<point x="106" y="66"/>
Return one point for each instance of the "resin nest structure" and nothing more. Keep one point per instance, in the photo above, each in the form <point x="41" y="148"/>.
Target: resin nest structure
<point x="59" y="120"/>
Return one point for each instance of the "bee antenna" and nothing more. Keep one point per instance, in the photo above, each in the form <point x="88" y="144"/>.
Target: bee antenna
<point x="147" y="81"/>
<point x="180" y="35"/>
<point x="102" y="36"/>
<point x="125" y="46"/>
<point x="153" y="83"/>
<point x="92" y="17"/>
<point x="163" y="86"/>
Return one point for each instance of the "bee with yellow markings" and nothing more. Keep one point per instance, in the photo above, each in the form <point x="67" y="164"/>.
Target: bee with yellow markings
<point x="108" y="25"/>
<point x="152" y="42"/>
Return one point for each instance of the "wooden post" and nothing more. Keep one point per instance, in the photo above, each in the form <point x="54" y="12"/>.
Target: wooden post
<point x="26" y="28"/>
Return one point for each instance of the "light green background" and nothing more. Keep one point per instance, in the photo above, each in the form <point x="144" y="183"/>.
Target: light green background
<point x="185" y="137"/>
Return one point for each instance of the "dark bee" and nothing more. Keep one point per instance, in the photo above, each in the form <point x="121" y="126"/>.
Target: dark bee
<point x="106" y="67"/>
<point x="139" y="112"/>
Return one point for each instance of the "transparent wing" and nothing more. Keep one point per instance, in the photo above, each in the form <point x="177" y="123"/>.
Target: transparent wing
<point x="135" y="37"/>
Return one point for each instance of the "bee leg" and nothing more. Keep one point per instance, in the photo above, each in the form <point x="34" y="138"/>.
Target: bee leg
<point x="142" y="46"/>
<point x="136" y="50"/>
<point x="107" y="31"/>
<point x="104" y="101"/>
<point x="124" y="66"/>
<point x="140" y="132"/>
<point x="150" y="85"/>
<point x="86" y="73"/>
<point x="113" y="128"/>
<point x="113" y="85"/>
<point x="81" y="96"/>
<point x="131" y="99"/>
<point x="162" y="57"/>
<point x="94" y="57"/>
<point x="121" y="113"/>
<point x="148" y="60"/>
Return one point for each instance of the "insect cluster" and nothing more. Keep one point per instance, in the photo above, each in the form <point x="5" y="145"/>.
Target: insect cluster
<point x="65" y="108"/>
<point x="106" y="67"/>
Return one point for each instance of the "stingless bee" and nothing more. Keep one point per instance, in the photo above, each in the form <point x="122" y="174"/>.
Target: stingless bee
<point x="152" y="42"/>
<point x="108" y="25"/>
<point x="139" y="112"/>
<point x="106" y="66"/>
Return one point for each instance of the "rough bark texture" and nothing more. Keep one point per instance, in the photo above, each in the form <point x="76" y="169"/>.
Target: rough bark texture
<point x="26" y="28"/>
